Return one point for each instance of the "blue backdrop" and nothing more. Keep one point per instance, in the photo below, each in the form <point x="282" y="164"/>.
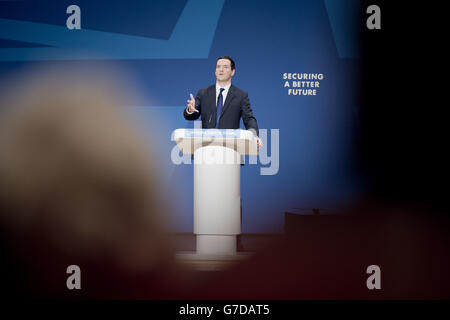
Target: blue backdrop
<point x="169" y="48"/>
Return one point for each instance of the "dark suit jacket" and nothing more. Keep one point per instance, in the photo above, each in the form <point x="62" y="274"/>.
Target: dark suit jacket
<point x="237" y="106"/>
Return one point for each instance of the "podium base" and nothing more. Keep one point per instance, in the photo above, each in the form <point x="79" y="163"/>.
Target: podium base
<point x="216" y="244"/>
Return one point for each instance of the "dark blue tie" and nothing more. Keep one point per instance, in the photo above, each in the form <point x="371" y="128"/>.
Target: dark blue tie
<point x="219" y="106"/>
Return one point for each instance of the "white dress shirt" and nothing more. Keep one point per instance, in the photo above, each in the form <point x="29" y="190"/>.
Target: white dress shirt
<point x="224" y="94"/>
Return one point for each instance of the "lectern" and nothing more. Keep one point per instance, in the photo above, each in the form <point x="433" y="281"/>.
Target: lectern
<point x="217" y="200"/>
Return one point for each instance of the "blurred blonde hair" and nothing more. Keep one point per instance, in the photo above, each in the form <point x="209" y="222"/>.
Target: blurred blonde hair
<point x="75" y="170"/>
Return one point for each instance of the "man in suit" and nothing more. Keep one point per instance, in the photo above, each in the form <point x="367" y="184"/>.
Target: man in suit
<point x="223" y="105"/>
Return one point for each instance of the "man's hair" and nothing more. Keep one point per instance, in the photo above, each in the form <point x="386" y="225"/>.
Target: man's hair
<point x="228" y="58"/>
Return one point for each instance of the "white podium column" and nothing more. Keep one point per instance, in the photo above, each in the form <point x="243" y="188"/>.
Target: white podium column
<point x="217" y="212"/>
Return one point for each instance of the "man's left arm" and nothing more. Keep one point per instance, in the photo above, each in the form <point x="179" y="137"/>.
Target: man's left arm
<point x="250" y="122"/>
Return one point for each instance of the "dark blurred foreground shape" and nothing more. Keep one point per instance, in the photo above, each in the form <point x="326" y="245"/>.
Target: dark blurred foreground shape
<point x="326" y="257"/>
<point x="79" y="186"/>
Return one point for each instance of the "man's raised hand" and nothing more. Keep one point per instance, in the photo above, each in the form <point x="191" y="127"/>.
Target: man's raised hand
<point x="191" y="104"/>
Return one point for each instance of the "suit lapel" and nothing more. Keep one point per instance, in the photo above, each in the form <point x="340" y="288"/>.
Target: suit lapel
<point x="212" y="95"/>
<point x="230" y="97"/>
<point x="211" y="100"/>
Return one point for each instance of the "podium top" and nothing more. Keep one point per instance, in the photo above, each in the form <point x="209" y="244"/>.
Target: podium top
<point x="189" y="140"/>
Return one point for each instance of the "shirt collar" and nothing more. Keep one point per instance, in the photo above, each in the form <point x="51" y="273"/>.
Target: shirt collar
<point x="227" y="87"/>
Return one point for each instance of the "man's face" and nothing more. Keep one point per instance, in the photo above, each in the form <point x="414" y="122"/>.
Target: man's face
<point x="223" y="70"/>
